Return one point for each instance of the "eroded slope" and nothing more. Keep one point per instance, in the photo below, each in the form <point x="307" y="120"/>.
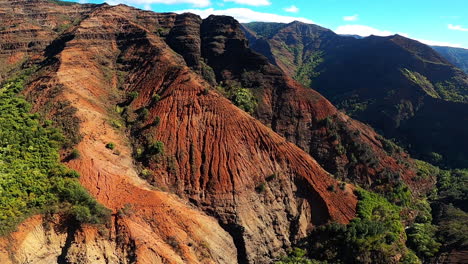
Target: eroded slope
<point x="263" y="190"/>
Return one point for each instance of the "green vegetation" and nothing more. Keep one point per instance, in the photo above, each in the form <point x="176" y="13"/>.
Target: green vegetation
<point x="450" y="91"/>
<point x="110" y="145"/>
<point x="448" y="229"/>
<point x="399" y="193"/>
<point x="208" y="73"/>
<point x="298" y="256"/>
<point x="156" y="148"/>
<point x="453" y="187"/>
<point x="426" y="170"/>
<point x="261" y="187"/>
<point x="244" y="99"/>
<point x="156" y="98"/>
<point x="354" y="105"/>
<point x="420" y="80"/>
<point x="63" y="117"/>
<point x="62" y="3"/>
<point x="132" y="96"/>
<point x="453" y="231"/>
<point x="63" y="27"/>
<point x="421" y="237"/>
<point x="116" y="123"/>
<point x="163" y="32"/>
<point x="457" y="56"/>
<point x="31" y="176"/>
<point x="272" y="177"/>
<point x="241" y="97"/>
<point x="75" y="154"/>
<point x="375" y="236"/>
<point x="389" y="146"/>
<point x="143" y="114"/>
<point x="307" y="70"/>
<point x="435" y="158"/>
<point x="265" y="30"/>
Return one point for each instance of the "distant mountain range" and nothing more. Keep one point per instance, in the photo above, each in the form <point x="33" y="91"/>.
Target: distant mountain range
<point x="457" y="56"/>
<point x="398" y="85"/>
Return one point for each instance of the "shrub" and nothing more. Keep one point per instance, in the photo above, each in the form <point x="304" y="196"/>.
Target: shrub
<point x="126" y="210"/>
<point x="75" y="154"/>
<point x="156" y="98"/>
<point x="297" y="256"/>
<point x="143" y="114"/>
<point x="146" y="174"/>
<point x="340" y="150"/>
<point x="207" y="73"/>
<point x="435" y="157"/>
<point x="272" y="177"/>
<point x="110" y="145"/>
<point x="421" y="238"/>
<point x="243" y="98"/>
<point x="260" y="188"/>
<point x="342" y="185"/>
<point x="116" y="124"/>
<point x="132" y="96"/>
<point x="156" y="148"/>
<point x="389" y="146"/>
<point x="156" y="121"/>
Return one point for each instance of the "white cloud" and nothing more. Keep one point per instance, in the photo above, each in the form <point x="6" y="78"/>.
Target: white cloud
<point x="245" y="15"/>
<point x="365" y="31"/>
<point x="291" y="9"/>
<point x="251" y="2"/>
<point x="351" y="18"/>
<point x="457" y="27"/>
<point x="195" y="3"/>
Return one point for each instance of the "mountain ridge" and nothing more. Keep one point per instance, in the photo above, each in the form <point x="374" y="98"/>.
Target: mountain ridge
<point x="389" y="71"/>
<point x="457" y="56"/>
<point x="203" y="150"/>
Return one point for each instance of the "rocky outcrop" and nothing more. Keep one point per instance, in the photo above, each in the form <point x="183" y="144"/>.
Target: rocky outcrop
<point x="184" y="38"/>
<point x="58" y="240"/>
<point x="28" y="27"/>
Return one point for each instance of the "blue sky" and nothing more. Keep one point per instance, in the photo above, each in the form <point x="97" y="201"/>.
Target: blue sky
<point x="434" y="22"/>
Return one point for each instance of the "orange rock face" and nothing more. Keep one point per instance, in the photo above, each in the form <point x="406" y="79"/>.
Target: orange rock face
<point x="226" y="189"/>
<point x="345" y="147"/>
